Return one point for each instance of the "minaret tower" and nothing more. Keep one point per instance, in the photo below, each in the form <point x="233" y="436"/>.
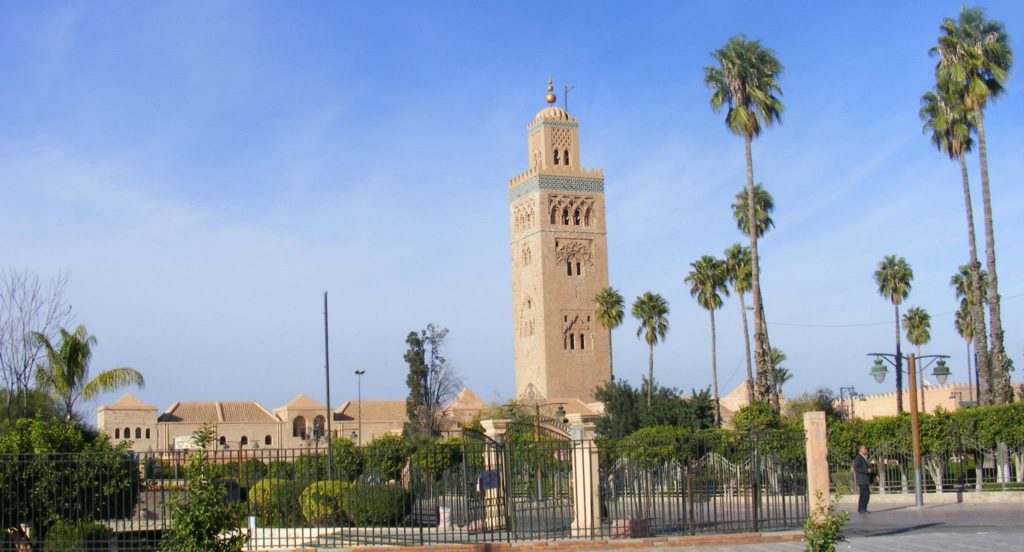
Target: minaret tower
<point x="559" y="263"/>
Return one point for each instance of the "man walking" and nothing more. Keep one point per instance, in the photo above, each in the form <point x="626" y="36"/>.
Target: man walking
<point x="863" y="473"/>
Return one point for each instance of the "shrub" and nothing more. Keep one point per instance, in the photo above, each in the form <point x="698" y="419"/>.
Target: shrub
<point x="385" y="457"/>
<point x="823" y="529"/>
<point x="278" y="469"/>
<point x="321" y="503"/>
<point x="375" y="505"/>
<point x="88" y="537"/>
<point x="275" y="502"/>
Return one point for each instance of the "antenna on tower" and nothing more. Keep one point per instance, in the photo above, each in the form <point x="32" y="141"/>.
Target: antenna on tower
<point x="565" y="98"/>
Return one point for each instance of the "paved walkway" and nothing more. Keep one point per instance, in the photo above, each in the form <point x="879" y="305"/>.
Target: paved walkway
<point x="948" y="527"/>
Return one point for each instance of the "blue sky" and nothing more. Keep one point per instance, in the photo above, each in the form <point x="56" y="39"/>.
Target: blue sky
<point x="206" y="170"/>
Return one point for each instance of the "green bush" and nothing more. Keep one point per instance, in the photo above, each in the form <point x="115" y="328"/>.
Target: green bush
<point x="386" y="456"/>
<point x="275" y="502"/>
<point x="823" y="528"/>
<point x="437" y="458"/>
<point x="279" y="469"/>
<point x="376" y="505"/>
<point x="321" y="503"/>
<point x="88" y="537"/>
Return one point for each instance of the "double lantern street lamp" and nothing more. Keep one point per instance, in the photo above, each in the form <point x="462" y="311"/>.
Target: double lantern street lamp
<point x="941" y="373"/>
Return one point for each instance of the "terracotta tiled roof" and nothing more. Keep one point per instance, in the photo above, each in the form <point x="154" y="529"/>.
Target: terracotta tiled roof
<point x="200" y="412"/>
<point x="466" y="400"/>
<point x="373" y="411"/>
<point x="127" y="402"/>
<point x="303" y="402"/>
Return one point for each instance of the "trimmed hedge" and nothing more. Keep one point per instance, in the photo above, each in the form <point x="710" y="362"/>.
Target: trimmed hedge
<point x="88" y="537"/>
<point x="372" y="505"/>
<point x="321" y="503"/>
<point x="275" y="502"/>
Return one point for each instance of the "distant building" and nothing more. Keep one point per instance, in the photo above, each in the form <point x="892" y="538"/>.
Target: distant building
<point x="949" y="397"/>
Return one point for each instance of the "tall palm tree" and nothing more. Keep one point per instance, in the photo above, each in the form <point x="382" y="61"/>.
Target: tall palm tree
<point x="782" y="375"/>
<point x="707" y="280"/>
<point x="746" y="79"/>
<point x="918" y="324"/>
<point x="66" y="372"/>
<point x="974" y="63"/>
<point x="893" y="279"/>
<point x="737" y="264"/>
<point x="610" y="312"/>
<point x="651" y="310"/>
<point x="767" y="386"/>
<point x="951" y="125"/>
<point x="970" y="303"/>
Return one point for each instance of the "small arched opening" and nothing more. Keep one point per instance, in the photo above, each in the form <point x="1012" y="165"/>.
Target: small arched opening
<point x="299" y="427"/>
<point x="267" y="440"/>
<point x="243" y="441"/>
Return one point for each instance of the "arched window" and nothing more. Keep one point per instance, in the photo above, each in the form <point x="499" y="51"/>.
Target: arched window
<point x="579" y="271"/>
<point x="147" y="433"/>
<point x="586" y="218"/>
<point x="138" y="433"/>
<point x="568" y="268"/>
<point x="267" y="440"/>
<point x="318" y="427"/>
<point x="565" y="216"/>
<point x="127" y="433"/>
<point x="223" y="441"/>
<point x="117" y="433"/>
<point x="554" y="215"/>
<point x="556" y="156"/>
<point x="572" y="341"/>
<point x="583" y="342"/>
<point x="566" y="157"/>
<point x="244" y="441"/>
<point x="576" y="217"/>
<point x="299" y="427"/>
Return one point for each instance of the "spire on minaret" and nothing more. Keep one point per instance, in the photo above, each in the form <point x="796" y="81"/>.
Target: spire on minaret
<point x="550" y="98"/>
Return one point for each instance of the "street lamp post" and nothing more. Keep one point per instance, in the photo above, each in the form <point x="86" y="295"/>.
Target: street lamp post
<point x="359" y="379"/>
<point x="941" y="372"/>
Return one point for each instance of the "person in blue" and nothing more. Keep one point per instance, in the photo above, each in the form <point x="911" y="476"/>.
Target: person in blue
<point x="864" y="473"/>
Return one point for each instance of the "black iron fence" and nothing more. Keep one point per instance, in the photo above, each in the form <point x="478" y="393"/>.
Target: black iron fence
<point x="966" y="467"/>
<point x="529" y="484"/>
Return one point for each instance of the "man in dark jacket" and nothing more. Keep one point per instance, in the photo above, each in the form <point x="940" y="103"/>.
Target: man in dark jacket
<point x="864" y="473"/>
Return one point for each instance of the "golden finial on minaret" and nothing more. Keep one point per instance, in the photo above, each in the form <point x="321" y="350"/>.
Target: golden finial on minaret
<point x="551" y="93"/>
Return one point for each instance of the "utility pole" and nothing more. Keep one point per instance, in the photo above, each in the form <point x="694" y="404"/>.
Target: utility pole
<point x="327" y="376"/>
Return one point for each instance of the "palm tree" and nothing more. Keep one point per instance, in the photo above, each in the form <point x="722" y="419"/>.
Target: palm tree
<point x="746" y="80"/>
<point x="610" y="312"/>
<point x="763" y="207"/>
<point x="964" y="323"/>
<point x="737" y="264"/>
<point x="950" y="125"/>
<point x="651" y="310"/>
<point x="706" y="280"/>
<point x="782" y="375"/>
<point x="66" y="373"/>
<point x="893" y="278"/>
<point x="918" y="324"/>
<point x="974" y="63"/>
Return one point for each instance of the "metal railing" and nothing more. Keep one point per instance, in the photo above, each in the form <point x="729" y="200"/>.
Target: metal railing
<point x="471" y="490"/>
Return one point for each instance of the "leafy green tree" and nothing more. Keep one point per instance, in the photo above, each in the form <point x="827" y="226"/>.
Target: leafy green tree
<point x="951" y="125"/>
<point x="746" y="79"/>
<point x="974" y="63"/>
<point x="651" y="310"/>
<point x="707" y="280"/>
<point x="610" y="312"/>
<point x="821" y="400"/>
<point x="386" y="456"/>
<point x="54" y="469"/>
<point x="626" y="410"/>
<point x="893" y="278"/>
<point x="756" y="416"/>
<point x="737" y="263"/>
<point x="432" y="380"/>
<point x="918" y="325"/>
<point x="66" y="373"/>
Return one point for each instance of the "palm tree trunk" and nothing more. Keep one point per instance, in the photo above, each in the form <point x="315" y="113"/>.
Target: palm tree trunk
<point x="611" y="359"/>
<point x="746" y="344"/>
<point x="970" y="391"/>
<point x="714" y="372"/>
<point x="1001" y="392"/>
<point x="650" y="373"/>
<point x="982" y="365"/>
<point x="762" y="349"/>
<point x="899" y="364"/>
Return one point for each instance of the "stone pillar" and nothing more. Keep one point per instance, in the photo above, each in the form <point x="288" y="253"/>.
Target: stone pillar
<point x="586" y="474"/>
<point x="495" y="511"/>
<point x="817" y="459"/>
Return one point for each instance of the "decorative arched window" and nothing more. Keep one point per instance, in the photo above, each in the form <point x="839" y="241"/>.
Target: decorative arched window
<point x="223" y="441"/>
<point x="583" y="342"/>
<point x="556" y="156"/>
<point x="576" y="217"/>
<point x="138" y="433"/>
<point x="565" y="216"/>
<point x="299" y="427"/>
<point x="572" y="342"/>
<point x="244" y="441"/>
<point x="579" y="269"/>
<point x="586" y="217"/>
<point x="147" y="433"/>
<point x="127" y="433"/>
<point x="267" y="440"/>
<point x="566" y="157"/>
<point x="117" y="433"/>
<point x="318" y="427"/>
<point x="568" y="268"/>
<point x="554" y="215"/>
